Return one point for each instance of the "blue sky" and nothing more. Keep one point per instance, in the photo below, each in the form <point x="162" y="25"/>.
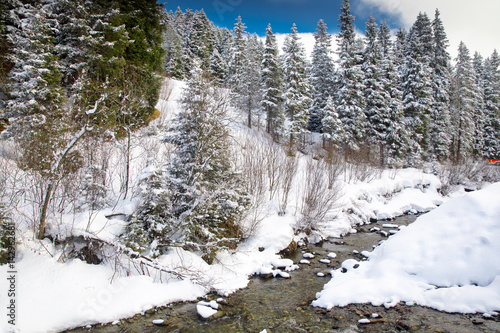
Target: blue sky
<point x="256" y="14"/>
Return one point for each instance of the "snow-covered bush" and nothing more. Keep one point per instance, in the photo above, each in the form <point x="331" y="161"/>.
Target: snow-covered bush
<point x="7" y="235"/>
<point x="470" y="172"/>
<point x="152" y="222"/>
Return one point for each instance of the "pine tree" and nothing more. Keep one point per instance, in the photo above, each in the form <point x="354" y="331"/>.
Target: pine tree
<point x="395" y="137"/>
<point x="492" y="106"/>
<point x="5" y="65"/>
<point x="272" y="86"/>
<point x="111" y="84"/>
<point x="321" y="75"/>
<point x="423" y="29"/>
<point x="237" y="62"/>
<point x="384" y="40"/>
<point x="417" y="96"/>
<point x="38" y="120"/>
<point x="7" y="235"/>
<point x="350" y="100"/>
<point x="297" y="88"/>
<point x="478" y="114"/>
<point x="252" y="89"/>
<point x="240" y="78"/>
<point x="204" y="189"/>
<point x="218" y="67"/>
<point x="333" y="130"/>
<point x="440" y="136"/>
<point x="202" y="38"/>
<point x="377" y="92"/>
<point x="174" y="65"/>
<point x="346" y="36"/>
<point x="400" y="47"/>
<point x="463" y="105"/>
<point x="224" y="46"/>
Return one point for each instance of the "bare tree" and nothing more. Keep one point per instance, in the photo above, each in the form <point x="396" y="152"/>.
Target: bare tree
<point x="318" y="196"/>
<point x="287" y="171"/>
<point x="253" y="166"/>
<point x="274" y="159"/>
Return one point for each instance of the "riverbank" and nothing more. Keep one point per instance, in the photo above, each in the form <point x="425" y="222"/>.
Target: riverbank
<point x="284" y="305"/>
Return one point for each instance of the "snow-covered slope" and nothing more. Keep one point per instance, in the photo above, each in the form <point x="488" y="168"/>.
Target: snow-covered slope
<point x="449" y="259"/>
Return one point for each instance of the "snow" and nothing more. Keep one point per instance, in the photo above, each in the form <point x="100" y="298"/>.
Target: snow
<point x="54" y="296"/>
<point x="447" y="259"/>
<point x="60" y="295"/>
<point x="332" y="255"/>
<point x="205" y="311"/>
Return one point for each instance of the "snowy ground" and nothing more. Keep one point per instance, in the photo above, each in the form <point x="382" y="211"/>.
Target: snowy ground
<point x="449" y="259"/>
<point x="53" y="294"/>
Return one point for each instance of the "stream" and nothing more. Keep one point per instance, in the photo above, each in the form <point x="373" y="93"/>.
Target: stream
<point x="284" y="305"/>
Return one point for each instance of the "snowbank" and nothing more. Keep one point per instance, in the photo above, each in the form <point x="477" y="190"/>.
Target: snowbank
<point x="392" y="194"/>
<point x="449" y="259"/>
<point x="53" y="296"/>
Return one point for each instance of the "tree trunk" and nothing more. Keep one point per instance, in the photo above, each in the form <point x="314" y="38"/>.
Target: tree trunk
<point x="346" y="157"/>
<point x="127" y="165"/>
<point x="249" y="112"/>
<point x="382" y="155"/>
<point x="50" y="186"/>
<point x="45" y="206"/>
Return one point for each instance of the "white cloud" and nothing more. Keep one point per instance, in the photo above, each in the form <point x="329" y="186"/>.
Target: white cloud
<point x="475" y="22"/>
<point x="306" y="38"/>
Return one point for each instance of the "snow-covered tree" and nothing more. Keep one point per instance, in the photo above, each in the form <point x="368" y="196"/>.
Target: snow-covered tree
<point x="378" y="99"/>
<point x="272" y="86"/>
<point x="174" y="65"/>
<point x="237" y="61"/>
<point x="479" y="118"/>
<point x="416" y="86"/>
<point x="7" y="240"/>
<point x="202" y="38"/>
<point x="224" y="46"/>
<point x="492" y="106"/>
<point x="218" y="67"/>
<point x="297" y="87"/>
<point x="423" y="29"/>
<point x="51" y="109"/>
<point x="321" y="75"/>
<point x="4" y="63"/>
<point x="395" y="136"/>
<point x="333" y="130"/>
<point x="440" y="134"/>
<point x="244" y="71"/>
<point x="350" y="99"/>
<point x="400" y="47"/>
<point x="463" y="105"/>
<point x="251" y="95"/>
<point x="199" y="188"/>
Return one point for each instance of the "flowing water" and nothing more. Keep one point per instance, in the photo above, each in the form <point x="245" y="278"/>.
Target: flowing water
<point x="284" y="305"/>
